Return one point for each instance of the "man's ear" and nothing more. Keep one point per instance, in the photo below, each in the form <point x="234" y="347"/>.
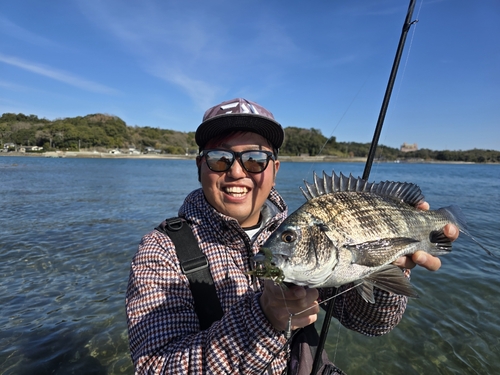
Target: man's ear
<point x="276" y="167"/>
<point x="198" y="165"/>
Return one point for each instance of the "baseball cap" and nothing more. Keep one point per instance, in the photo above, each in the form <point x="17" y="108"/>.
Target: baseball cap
<point x="239" y="115"/>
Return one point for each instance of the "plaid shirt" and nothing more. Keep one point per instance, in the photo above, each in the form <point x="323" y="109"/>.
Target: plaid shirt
<point x="164" y="332"/>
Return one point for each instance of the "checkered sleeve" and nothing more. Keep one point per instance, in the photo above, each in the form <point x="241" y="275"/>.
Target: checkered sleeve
<point x="164" y="333"/>
<point x="371" y="319"/>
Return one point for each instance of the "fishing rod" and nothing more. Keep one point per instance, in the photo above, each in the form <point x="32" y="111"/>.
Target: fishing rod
<point x="369" y="161"/>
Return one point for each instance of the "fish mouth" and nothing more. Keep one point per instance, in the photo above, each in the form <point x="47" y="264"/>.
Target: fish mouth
<point x="268" y="266"/>
<point x="259" y="258"/>
<point x="273" y="266"/>
<point x="265" y="260"/>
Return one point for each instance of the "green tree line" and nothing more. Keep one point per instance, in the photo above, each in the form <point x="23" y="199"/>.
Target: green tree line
<point x="103" y="132"/>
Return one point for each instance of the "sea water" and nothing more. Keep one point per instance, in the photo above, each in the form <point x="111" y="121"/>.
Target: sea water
<point x="69" y="228"/>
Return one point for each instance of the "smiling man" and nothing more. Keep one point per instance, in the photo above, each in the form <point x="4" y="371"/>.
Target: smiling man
<point x="241" y="191"/>
<point x="231" y="216"/>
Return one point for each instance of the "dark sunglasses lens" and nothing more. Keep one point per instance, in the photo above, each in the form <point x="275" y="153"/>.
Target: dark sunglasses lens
<point x="254" y="161"/>
<point x="219" y="161"/>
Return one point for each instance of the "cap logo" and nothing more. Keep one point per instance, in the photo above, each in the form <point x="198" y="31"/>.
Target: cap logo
<point x="245" y="108"/>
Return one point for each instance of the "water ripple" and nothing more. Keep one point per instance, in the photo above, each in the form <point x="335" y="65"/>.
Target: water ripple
<point x="73" y="226"/>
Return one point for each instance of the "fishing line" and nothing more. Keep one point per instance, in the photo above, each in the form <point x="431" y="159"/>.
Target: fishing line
<point x="288" y="331"/>
<point x="415" y="22"/>
<point x="371" y="156"/>
<point x="289" y="334"/>
<point x="343" y="304"/>
<point x="338" y="332"/>
<point x="342" y="117"/>
<point x="279" y="351"/>
<point x="337" y="125"/>
<point x="330" y="298"/>
<point x="396" y="99"/>
<point x="361" y="87"/>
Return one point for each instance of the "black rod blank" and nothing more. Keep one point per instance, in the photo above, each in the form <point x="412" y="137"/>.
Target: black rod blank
<point x="369" y="161"/>
<point x="388" y="92"/>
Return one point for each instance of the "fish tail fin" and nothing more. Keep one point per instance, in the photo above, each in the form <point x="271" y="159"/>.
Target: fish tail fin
<point x="456" y="216"/>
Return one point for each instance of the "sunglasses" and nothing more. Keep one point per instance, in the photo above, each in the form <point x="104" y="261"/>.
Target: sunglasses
<point x="252" y="161"/>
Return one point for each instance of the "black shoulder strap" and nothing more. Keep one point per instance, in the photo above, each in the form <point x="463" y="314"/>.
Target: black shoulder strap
<point x="194" y="264"/>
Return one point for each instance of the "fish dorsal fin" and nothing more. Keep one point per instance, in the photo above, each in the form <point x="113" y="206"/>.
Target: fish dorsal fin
<point x="405" y="191"/>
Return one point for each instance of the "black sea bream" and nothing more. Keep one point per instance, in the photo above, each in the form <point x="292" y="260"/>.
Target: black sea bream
<point x="351" y="230"/>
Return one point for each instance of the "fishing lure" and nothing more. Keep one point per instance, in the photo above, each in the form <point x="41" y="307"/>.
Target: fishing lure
<point x="266" y="270"/>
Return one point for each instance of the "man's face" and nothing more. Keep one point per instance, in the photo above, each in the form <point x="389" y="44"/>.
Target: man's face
<point x="236" y="192"/>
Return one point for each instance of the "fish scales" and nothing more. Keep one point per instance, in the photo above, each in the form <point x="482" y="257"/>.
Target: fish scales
<point x="351" y="230"/>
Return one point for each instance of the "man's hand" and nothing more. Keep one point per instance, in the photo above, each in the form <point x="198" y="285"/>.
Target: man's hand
<point x="278" y="304"/>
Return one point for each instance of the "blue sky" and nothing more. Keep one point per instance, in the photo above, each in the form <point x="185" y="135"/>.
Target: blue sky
<point x="314" y="64"/>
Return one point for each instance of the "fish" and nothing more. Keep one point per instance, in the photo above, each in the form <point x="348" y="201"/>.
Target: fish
<point x="350" y="231"/>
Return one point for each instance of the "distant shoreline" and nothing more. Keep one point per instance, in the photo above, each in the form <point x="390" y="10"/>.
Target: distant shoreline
<point x="106" y="155"/>
<point x="296" y="159"/>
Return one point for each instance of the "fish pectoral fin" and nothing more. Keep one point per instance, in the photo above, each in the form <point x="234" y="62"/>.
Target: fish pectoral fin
<point x="391" y="279"/>
<point x="442" y="244"/>
<point x="365" y="290"/>
<point x="375" y="253"/>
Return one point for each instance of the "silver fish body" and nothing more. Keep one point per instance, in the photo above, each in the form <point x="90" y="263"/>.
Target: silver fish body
<point x="351" y="230"/>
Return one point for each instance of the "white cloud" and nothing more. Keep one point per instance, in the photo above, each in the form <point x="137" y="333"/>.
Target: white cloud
<point x="57" y="75"/>
<point x="202" y="50"/>
<point x="202" y="93"/>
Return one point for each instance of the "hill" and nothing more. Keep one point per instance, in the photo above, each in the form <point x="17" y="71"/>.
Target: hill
<point x="102" y="132"/>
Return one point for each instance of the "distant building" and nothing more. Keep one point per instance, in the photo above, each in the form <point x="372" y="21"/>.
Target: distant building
<point x="151" y="150"/>
<point x="33" y="148"/>
<point x="406" y="147"/>
<point x="9" y="147"/>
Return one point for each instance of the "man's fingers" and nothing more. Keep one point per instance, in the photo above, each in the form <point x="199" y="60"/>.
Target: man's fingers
<point x="423" y="206"/>
<point x="425" y="260"/>
<point x="451" y="231"/>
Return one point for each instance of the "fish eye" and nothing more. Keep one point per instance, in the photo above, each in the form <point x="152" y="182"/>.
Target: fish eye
<point x="288" y="236"/>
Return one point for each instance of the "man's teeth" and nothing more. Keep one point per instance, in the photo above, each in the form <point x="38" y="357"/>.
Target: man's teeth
<point x="236" y="190"/>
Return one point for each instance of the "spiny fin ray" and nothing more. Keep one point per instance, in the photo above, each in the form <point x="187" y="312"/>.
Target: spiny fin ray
<point x="405" y="191"/>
